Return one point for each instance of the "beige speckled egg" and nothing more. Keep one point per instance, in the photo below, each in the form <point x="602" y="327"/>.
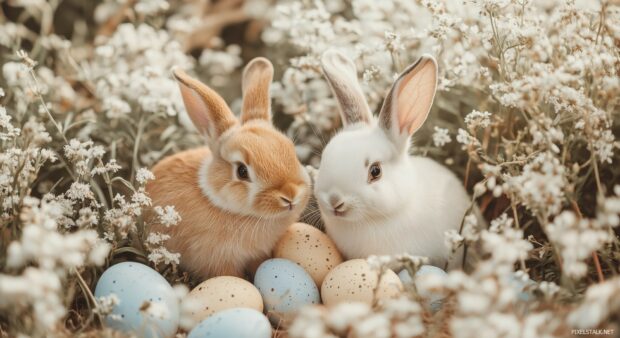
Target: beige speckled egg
<point x="221" y="293"/>
<point x="309" y="247"/>
<point x="355" y="281"/>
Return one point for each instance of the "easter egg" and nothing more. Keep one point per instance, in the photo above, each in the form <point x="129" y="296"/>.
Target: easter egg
<point x="355" y="281"/>
<point x="309" y="247"/>
<point x="425" y="279"/>
<point x="285" y="287"/>
<point x="233" y="323"/>
<point x="522" y="285"/>
<point x="147" y="304"/>
<point x="221" y="293"/>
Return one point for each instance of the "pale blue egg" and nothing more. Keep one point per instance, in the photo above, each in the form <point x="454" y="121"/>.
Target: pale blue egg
<point x="233" y="323"/>
<point x="285" y="287"/>
<point x="522" y="287"/>
<point x="136" y="285"/>
<point x="434" y="299"/>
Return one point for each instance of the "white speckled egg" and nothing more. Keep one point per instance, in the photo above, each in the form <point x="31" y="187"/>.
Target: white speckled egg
<point x="355" y="281"/>
<point x="221" y="293"/>
<point x="139" y="287"/>
<point x="285" y="288"/>
<point x="309" y="247"/>
<point x="426" y="278"/>
<point x="233" y="323"/>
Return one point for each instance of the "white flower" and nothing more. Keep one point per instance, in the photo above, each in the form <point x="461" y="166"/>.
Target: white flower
<point x="347" y="314"/>
<point x="441" y="137"/>
<point x="79" y="191"/>
<point x="144" y="175"/>
<point x="541" y="186"/>
<point x="453" y="240"/>
<point x="470" y="231"/>
<point x="155" y="310"/>
<point x="601" y="301"/>
<point x="576" y="239"/>
<point x="115" y="107"/>
<point x="167" y="215"/>
<point x="106" y="304"/>
<point x="466" y="139"/>
<point x="477" y="119"/>
<point x="151" y="7"/>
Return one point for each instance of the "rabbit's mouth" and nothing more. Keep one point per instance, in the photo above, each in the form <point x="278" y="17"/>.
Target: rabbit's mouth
<point x="339" y="213"/>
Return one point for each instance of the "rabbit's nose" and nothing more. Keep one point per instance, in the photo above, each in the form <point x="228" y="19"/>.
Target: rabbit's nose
<point x="287" y="202"/>
<point x="337" y="204"/>
<point x="334" y="200"/>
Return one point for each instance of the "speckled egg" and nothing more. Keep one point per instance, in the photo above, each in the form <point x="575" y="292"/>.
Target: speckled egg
<point x="355" y="281"/>
<point x="286" y="287"/>
<point x="148" y="306"/>
<point x="425" y="279"/>
<point x="233" y="323"/>
<point x="309" y="247"/>
<point x="221" y="293"/>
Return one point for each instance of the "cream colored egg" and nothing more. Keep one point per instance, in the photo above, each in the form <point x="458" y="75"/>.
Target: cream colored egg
<point x="355" y="281"/>
<point x="221" y="293"/>
<point x="309" y="247"/>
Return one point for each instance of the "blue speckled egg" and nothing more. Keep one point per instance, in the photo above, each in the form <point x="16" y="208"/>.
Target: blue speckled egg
<point x="233" y="323"/>
<point x="285" y="288"/>
<point x="434" y="299"/>
<point x="137" y="286"/>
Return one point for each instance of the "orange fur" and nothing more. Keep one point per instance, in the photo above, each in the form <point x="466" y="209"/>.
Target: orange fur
<point x="229" y="223"/>
<point x="257" y="75"/>
<point x="212" y="241"/>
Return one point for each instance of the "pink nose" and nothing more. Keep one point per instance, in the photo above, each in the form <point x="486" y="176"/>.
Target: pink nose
<point x="338" y="205"/>
<point x="287" y="202"/>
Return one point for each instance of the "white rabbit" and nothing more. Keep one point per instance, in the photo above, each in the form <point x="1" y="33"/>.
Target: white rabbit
<point x="376" y="199"/>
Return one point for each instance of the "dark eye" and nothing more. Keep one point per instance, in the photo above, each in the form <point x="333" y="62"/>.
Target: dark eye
<point x="374" y="172"/>
<point x="242" y="172"/>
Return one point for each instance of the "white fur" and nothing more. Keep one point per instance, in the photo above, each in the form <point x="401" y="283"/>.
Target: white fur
<point x="408" y="209"/>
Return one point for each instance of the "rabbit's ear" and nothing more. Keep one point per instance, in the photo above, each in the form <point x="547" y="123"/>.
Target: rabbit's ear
<point x="341" y="75"/>
<point x="409" y="101"/>
<point x="207" y="110"/>
<point x="257" y="77"/>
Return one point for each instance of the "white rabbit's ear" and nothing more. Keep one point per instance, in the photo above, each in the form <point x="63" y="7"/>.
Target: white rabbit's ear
<point x="257" y="77"/>
<point x="207" y="110"/>
<point x="409" y="101"/>
<point x="341" y="75"/>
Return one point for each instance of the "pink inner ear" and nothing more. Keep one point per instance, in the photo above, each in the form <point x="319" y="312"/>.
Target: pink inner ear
<point x="415" y="97"/>
<point x="196" y="108"/>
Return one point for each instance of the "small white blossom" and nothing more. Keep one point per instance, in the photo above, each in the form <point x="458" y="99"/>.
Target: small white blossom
<point x="441" y="137"/>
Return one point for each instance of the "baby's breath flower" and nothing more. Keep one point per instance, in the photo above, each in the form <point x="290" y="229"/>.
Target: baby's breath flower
<point x="144" y="175"/>
<point x="106" y="304"/>
<point x="453" y="240"/>
<point x="601" y="301"/>
<point x="167" y="215"/>
<point x="477" y="119"/>
<point x="542" y="184"/>
<point x="441" y="137"/>
<point x="576" y="239"/>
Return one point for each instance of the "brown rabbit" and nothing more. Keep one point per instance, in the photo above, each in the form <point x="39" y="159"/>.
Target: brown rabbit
<point x="236" y="196"/>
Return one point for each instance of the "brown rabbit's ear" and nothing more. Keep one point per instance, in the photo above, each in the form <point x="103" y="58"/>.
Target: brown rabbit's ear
<point x="207" y="110"/>
<point x="257" y="77"/>
<point x="409" y="101"/>
<point x="341" y="75"/>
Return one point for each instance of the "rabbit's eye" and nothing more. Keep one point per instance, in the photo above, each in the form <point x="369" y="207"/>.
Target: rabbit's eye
<point x="242" y="172"/>
<point x="374" y="172"/>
